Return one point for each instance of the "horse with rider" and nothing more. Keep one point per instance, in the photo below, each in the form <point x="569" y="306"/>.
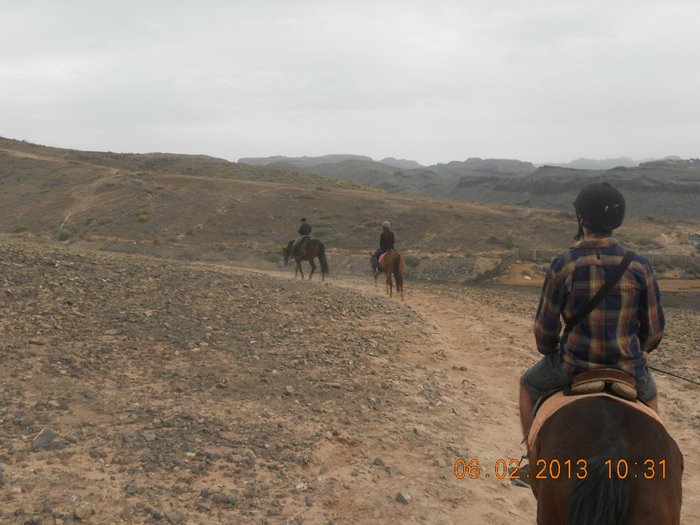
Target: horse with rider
<point x="598" y="451"/>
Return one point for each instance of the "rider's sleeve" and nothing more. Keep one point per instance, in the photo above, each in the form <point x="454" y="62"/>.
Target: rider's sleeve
<point x="548" y="318"/>
<point x="650" y="314"/>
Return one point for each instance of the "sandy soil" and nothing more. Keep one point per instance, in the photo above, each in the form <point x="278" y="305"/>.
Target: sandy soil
<point x="194" y="393"/>
<point x="487" y="339"/>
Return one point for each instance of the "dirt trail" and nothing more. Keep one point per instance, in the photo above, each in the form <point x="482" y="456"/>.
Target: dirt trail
<point x="483" y="349"/>
<point x="483" y="343"/>
<point x="478" y="352"/>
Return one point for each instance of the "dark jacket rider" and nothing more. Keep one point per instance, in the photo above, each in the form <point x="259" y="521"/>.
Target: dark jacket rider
<point x="386" y="241"/>
<point x="304" y="232"/>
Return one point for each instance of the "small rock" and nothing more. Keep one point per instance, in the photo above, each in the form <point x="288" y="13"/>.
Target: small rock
<point x="379" y="462"/>
<point x="228" y="498"/>
<point x="43" y="438"/>
<point x="301" y="486"/>
<point x="403" y="497"/>
<point x="149" y="436"/>
<point x="84" y="510"/>
<point x="177" y="518"/>
<point x="47" y="520"/>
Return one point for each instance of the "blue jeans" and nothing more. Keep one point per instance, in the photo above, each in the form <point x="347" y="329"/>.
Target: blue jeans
<point x="547" y="375"/>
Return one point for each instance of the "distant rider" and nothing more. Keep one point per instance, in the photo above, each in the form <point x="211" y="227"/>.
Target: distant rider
<point x="386" y="241"/>
<point x="304" y="232"/>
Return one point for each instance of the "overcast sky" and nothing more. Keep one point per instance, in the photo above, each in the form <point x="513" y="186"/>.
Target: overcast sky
<point x="432" y="81"/>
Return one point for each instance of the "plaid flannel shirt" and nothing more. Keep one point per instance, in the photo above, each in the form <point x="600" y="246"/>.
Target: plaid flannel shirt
<point x="619" y="332"/>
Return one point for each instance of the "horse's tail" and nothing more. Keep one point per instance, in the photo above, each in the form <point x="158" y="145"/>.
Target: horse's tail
<point x="398" y="271"/>
<point x="601" y="497"/>
<point x="322" y="258"/>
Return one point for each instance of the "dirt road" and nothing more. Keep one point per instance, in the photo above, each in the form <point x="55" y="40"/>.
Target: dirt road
<point x="486" y="340"/>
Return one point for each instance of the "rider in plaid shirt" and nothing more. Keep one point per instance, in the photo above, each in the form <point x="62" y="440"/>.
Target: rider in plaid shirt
<point x="628" y="323"/>
<point x="619" y="332"/>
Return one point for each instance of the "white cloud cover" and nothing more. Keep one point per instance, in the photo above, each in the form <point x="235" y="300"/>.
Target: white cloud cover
<point x="427" y="80"/>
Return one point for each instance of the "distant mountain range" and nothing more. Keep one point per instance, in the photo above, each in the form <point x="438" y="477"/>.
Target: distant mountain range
<point x="667" y="188"/>
<point x="597" y="164"/>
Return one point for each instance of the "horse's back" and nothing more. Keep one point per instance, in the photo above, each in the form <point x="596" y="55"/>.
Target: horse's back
<point x="388" y="260"/>
<point x="315" y="245"/>
<point x="632" y="451"/>
<point x="597" y="422"/>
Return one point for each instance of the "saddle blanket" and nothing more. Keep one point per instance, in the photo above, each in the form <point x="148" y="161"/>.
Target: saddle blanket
<point x="559" y="400"/>
<point x="381" y="256"/>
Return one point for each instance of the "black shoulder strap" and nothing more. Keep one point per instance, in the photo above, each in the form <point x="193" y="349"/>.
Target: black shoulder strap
<point x="598" y="297"/>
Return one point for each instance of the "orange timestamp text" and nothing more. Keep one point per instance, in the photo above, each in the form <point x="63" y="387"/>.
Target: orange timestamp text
<point x="559" y="469"/>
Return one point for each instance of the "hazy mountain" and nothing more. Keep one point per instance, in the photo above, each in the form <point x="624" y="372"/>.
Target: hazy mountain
<point x="668" y="192"/>
<point x="399" y="175"/>
<point x="666" y="188"/>
<point x="672" y="162"/>
<point x="302" y="162"/>
<point x="373" y="173"/>
<point x="478" y="167"/>
<point x="403" y="164"/>
<point x="597" y="164"/>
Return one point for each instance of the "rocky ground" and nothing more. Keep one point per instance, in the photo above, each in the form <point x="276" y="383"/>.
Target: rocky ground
<point x="138" y="390"/>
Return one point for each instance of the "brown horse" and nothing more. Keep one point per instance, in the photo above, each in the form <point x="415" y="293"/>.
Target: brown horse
<point x="598" y="460"/>
<point x="307" y="251"/>
<point x="392" y="264"/>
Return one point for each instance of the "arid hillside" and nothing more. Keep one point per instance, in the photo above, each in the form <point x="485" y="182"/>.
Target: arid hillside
<point x="201" y="208"/>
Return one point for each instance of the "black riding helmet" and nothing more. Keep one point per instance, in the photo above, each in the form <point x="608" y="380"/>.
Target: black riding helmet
<point x="600" y="207"/>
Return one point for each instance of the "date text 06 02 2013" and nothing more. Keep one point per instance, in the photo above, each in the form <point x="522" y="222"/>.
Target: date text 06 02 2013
<point x="561" y="469"/>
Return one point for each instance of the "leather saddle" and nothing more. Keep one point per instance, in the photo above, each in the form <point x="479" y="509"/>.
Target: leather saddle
<point x="616" y="381"/>
<point x="302" y="244"/>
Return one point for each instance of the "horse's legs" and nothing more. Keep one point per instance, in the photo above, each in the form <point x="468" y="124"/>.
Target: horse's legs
<point x="313" y="268"/>
<point x="301" y="270"/>
<point x="389" y="286"/>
